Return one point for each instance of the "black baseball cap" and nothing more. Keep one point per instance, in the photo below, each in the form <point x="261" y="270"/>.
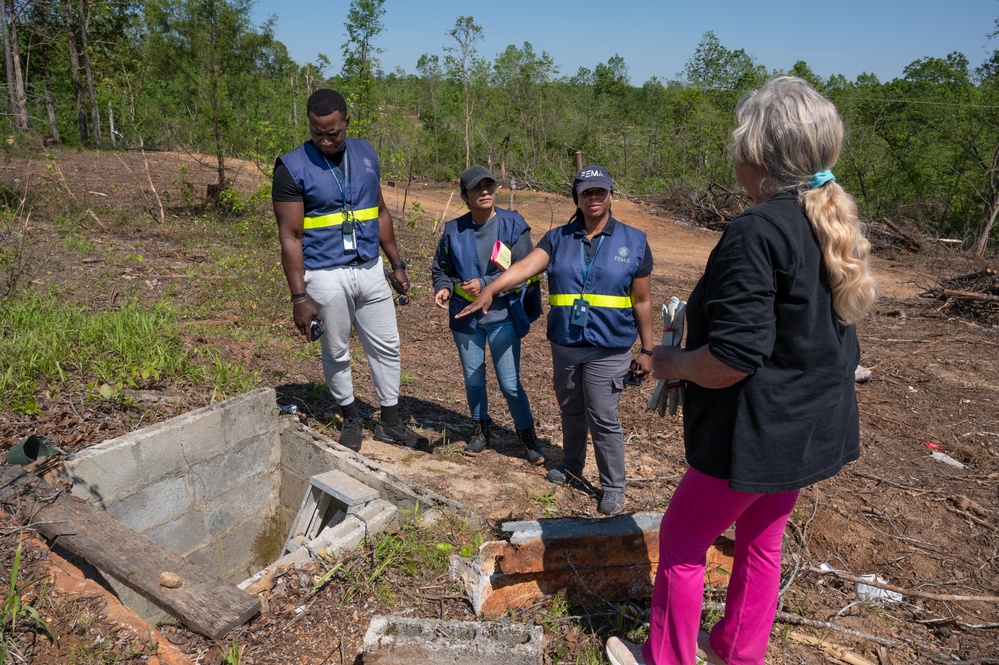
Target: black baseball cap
<point x="473" y="175"/>
<point x="589" y="177"/>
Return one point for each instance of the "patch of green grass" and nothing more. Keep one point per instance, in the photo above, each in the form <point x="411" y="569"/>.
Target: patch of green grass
<point x="66" y="347"/>
<point x="79" y="243"/>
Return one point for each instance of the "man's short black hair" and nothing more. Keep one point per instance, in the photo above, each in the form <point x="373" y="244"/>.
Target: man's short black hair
<point x="326" y="101"/>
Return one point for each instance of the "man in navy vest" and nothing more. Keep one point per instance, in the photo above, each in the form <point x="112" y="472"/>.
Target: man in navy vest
<point x="332" y="219"/>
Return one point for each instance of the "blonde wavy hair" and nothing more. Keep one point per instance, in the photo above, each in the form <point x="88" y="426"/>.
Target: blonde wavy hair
<point x="789" y="131"/>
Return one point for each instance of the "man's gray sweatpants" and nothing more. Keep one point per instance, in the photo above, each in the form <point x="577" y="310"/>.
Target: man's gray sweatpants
<point x="588" y="385"/>
<point x="357" y="296"/>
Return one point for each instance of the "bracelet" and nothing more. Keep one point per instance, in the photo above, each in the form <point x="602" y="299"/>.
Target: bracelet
<point x="646" y="352"/>
<point x="401" y="264"/>
<point x="295" y="296"/>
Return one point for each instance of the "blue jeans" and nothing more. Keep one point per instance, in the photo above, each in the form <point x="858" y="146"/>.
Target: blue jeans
<point x="504" y="346"/>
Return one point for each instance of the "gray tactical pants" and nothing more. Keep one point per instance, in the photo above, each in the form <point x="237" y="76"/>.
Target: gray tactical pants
<point x="588" y="385"/>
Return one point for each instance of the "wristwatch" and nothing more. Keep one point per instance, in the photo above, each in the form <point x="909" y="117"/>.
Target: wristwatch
<point x="401" y="264"/>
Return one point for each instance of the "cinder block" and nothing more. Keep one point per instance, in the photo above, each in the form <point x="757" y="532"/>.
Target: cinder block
<point x="394" y="640"/>
<point x="196" y="436"/>
<point x="107" y="472"/>
<point x="240" y="547"/>
<point x="155" y="504"/>
<point x="345" y="490"/>
<point x="379" y="516"/>
<point x="253" y="498"/>
<point x="249" y="416"/>
<point x="209" y="559"/>
<point x="293" y="488"/>
<point x="217" y="476"/>
<point x="302" y="454"/>
<point x="345" y="536"/>
<point x="182" y="535"/>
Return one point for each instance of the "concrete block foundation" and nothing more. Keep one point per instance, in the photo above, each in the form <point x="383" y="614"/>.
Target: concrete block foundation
<point x="392" y="640"/>
<point x="612" y="558"/>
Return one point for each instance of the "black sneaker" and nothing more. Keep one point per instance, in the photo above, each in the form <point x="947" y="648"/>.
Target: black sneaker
<point x="400" y="435"/>
<point x="350" y="433"/>
<point x="611" y="504"/>
<point x="563" y="477"/>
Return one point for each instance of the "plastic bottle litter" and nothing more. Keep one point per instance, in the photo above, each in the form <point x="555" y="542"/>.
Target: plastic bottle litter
<point x="871" y="594"/>
<point x="946" y="459"/>
<point x="288" y="409"/>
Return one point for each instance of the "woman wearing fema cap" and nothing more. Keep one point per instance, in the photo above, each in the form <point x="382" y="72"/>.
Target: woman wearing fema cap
<point x="599" y="276"/>
<point x="769" y="364"/>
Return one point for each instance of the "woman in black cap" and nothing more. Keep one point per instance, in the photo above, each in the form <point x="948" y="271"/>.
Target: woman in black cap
<point x="463" y="265"/>
<point x="599" y="276"/>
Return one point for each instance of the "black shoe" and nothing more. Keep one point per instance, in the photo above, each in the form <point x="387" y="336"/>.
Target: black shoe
<point x="532" y="449"/>
<point x="400" y="435"/>
<point x="480" y="437"/>
<point x="563" y="477"/>
<point x="611" y="504"/>
<point x="350" y="433"/>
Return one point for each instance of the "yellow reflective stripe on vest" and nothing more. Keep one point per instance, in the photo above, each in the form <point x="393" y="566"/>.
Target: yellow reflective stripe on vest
<point x="566" y="300"/>
<point x="336" y="218"/>
<point x="458" y="291"/>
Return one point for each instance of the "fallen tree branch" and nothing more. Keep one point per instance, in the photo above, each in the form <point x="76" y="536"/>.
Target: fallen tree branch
<point x="831" y="650"/>
<point x="905" y="592"/>
<point x="787" y="617"/>
<point x="969" y="295"/>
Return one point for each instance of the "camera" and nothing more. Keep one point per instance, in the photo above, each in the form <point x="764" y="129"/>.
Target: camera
<point x="315" y="330"/>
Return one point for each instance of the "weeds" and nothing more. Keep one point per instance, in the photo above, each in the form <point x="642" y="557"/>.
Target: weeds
<point x="232" y="653"/>
<point x="13" y="244"/>
<point x="547" y="501"/>
<point x="15" y="610"/>
<point x="66" y="347"/>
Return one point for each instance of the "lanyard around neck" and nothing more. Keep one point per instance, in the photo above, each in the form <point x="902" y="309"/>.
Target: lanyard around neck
<point x="345" y="186"/>
<point x="587" y="266"/>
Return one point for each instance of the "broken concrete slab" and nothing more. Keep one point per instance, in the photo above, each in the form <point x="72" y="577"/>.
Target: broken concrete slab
<point x="596" y="559"/>
<point x="393" y="640"/>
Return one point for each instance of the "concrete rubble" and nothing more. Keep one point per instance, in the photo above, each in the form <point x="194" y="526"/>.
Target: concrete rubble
<point x="592" y="559"/>
<point x="393" y="640"/>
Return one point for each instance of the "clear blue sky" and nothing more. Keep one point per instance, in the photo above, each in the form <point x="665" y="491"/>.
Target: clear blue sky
<point x="656" y="38"/>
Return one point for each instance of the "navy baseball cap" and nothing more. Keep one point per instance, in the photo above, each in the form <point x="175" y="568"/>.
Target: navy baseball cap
<point x="589" y="177"/>
<point x="473" y="175"/>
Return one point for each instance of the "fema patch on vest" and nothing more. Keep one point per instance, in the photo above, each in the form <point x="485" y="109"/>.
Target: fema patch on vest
<point x="368" y="165"/>
<point x="622" y="255"/>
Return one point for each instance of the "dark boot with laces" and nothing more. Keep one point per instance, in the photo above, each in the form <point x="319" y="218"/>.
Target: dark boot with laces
<point x="480" y="437"/>
<point x="532" y="449"/>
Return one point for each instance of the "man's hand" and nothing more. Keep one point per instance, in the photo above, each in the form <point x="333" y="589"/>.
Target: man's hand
<point x="403" y="279"/>
<point x="304" y="313"/>
<point x="441" y="298"/>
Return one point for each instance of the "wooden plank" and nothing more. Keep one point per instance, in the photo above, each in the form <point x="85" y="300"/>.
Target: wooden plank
<point x="204" y="603"/>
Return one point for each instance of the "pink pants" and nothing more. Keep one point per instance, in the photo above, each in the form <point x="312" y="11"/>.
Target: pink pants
<point x="701" y="509"/>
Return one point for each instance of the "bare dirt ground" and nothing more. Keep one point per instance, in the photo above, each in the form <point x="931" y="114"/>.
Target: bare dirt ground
<point x="926" y="526"/>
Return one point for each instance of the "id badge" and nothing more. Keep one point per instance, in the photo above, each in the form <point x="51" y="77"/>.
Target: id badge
<point x="349" y="242"/>
<point x="580" y="310"/>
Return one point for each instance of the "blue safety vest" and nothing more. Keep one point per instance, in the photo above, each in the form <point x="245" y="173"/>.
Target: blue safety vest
<point x="610" y="322"/>
<point x="465" y="260"/>
<point x="333" y="196"/>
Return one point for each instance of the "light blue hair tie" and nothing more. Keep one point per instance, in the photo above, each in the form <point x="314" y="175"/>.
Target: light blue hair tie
<point x="820" y="178"/>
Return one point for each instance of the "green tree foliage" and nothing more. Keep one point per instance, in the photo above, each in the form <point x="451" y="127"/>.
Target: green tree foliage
<point x="364" y="24"/>
<point x="216" y="67"/>
<point x="464" y="65"/>
<point x="162" y="74"/>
